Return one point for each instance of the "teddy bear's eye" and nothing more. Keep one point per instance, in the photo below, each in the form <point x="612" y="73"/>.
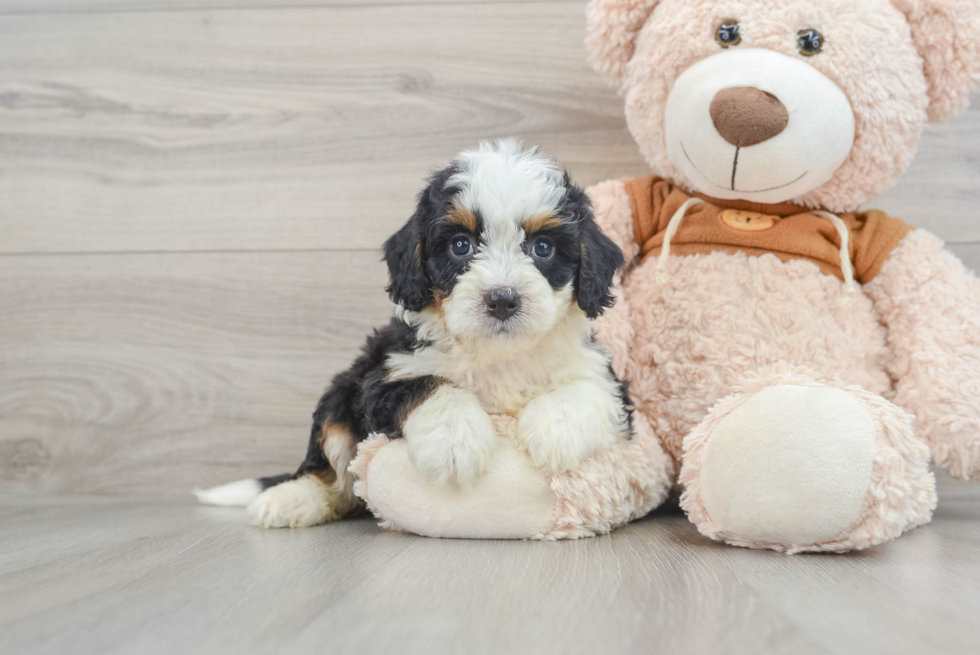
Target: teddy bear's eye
<point x="728" y="34"/>
<point x="810" y="42"/>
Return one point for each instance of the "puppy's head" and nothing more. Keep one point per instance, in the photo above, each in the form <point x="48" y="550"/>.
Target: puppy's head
<point x="502" y="246"/>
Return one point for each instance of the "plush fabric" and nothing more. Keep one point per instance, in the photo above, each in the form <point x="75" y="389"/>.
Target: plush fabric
<point x="615" y="486"/>
<point x="931" y="304"/>
<point x="778" y="386"/>
<point x="512" y="500"/>
<point x="720" y="316"/>
<point x="806" y="109"/>
<point x="945" y="34"/>
<point x="515" y="500"/>
<point x="873" y="53"/>
<point x="789" y="447"/>
<point x="775" y="352"/>
<point x="886" y="464"/>
<point x="745" y="116"/>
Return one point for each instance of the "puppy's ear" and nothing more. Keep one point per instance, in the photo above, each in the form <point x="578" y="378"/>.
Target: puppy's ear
<point x="408" y="284"/>
<point x="611" y="30"/>
<point x="600" y="258"/>
<point x="945" y="34"/>
<point x="404" y="252"/>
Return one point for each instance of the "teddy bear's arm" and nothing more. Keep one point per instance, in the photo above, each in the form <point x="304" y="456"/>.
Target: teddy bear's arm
<point x="614" y="215"/>
<point x="930" y="304"/>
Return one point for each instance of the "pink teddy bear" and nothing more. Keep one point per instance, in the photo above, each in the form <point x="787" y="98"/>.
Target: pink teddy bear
<point x="797" y="358"/>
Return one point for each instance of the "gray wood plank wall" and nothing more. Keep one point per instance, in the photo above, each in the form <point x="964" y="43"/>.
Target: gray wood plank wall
<point x="191" y="202"/>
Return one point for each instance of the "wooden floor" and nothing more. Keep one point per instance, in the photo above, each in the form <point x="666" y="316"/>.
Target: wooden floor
<point x="192" y="197"/>
<point x="101" y="576"/>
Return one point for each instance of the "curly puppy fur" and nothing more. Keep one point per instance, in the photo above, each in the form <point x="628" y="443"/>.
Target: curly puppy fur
<point x="496" y="278"/>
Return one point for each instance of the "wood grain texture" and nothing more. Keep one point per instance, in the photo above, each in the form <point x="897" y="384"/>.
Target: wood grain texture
<point x="191" y="203"/>
<point x="284" y="129"/>
<point x="127" y="576"/>
<point x="47" y="7"/>
<point x="300" y="128"/>
<point x="192" y="194"/>
<point x="151" y="374"/>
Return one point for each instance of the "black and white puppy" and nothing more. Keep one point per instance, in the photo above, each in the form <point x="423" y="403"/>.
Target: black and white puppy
<point x="496" y="277"/>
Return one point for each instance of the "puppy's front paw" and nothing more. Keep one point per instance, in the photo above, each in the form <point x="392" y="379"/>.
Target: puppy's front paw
<point x="561" y="430"/>
<point x="450" y="437"/>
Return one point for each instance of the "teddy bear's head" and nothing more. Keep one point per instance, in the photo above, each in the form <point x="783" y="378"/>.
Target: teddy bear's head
<point x="821" y="102"/>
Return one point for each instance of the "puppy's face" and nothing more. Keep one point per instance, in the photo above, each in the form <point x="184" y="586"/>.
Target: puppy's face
<point x="502" y="246"/>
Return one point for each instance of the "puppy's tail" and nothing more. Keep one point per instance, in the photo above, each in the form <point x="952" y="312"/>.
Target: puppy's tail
<point x="240" y="493"/>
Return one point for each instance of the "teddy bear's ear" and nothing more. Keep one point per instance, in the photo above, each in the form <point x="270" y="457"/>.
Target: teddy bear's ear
<point x="611" y="30"/>
<point x="947" y="36"/>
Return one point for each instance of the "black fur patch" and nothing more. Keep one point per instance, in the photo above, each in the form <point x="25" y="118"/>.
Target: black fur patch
<point x="407" y="252"/>
<point x="274" y="480"/>
<point x="360" y="391"/>
<point x="442" y="267"/>
<point x="363" y="400"/>
<point x="624" y="397"/>
<point x="599" y="259"/>
<point x="583" y="254"/>
<point x="624" y="385"/>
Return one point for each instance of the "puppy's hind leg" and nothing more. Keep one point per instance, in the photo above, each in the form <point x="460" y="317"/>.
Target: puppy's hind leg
<point x="322" y="490"/>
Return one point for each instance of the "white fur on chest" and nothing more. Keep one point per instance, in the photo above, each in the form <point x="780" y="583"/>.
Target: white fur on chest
<point x="505" y="375"/>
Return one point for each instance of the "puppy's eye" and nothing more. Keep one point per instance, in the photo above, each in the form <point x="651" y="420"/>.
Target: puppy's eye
<point x="543" y="249"/>
<point x="810" y="42"/>
<point x="728" y="34"/>
<point x="461" y="246"/>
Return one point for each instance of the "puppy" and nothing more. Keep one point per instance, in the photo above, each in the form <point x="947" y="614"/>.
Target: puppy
<point x="496" y="278"/>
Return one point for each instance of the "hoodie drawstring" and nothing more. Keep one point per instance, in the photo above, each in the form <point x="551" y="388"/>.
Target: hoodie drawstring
<point x="672" y="227"/>
<point x="845" y="250"/>
<point x="845" y="244"/>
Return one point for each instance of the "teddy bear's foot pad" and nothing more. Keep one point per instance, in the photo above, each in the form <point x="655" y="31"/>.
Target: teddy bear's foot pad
<point x="807" y="468"/>
<point x="791" y="465"/>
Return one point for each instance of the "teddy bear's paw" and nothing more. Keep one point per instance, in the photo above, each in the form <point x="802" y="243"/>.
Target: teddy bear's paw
<point x="560" y="430"/>
<point x="450" y="437"/>
<point x="299" y="503"/>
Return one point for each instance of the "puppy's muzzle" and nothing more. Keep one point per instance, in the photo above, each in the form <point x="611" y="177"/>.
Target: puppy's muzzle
<point x="502" y="303"/>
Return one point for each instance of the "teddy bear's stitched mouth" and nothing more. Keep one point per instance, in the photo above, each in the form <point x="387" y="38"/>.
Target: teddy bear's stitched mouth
<point x="734" y="170"/>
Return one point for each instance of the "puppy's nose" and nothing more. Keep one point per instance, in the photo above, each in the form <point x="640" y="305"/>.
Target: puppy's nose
<point x="745" y="116"/>
<point x="503" y="303"/>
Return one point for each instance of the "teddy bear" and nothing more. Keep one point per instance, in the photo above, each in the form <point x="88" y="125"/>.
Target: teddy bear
<point x="798" y="358"/>
<point x="792" y="360"/>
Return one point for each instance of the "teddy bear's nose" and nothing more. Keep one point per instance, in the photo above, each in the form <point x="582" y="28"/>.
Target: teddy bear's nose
<point x="746" y="116"/>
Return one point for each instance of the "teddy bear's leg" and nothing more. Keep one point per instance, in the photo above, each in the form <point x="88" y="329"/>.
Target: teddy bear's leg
<point x="793" y="463"/>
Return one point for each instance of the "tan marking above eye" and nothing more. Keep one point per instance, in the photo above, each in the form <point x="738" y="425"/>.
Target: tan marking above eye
<point x="462" y="217"/>
<point x="540" y="222"/>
